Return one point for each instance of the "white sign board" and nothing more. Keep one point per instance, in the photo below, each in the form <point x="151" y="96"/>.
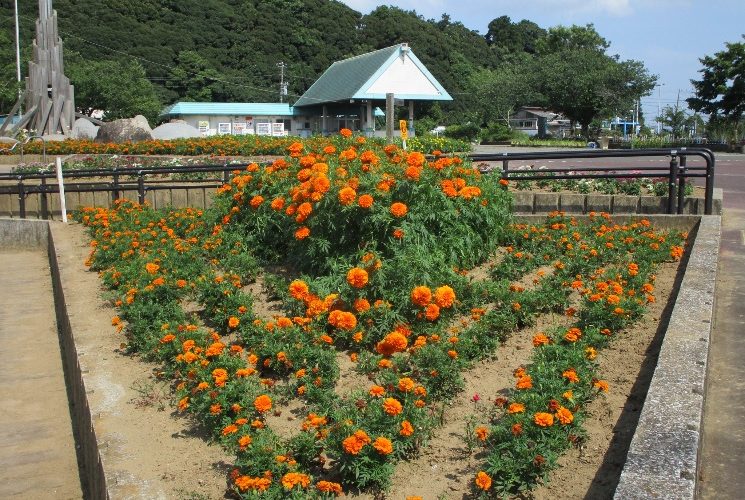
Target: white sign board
<point x="278" y="129"/>
<point x="223" y="128"/>
<point x="263" y="128"/>
<point x="239" y="128"/>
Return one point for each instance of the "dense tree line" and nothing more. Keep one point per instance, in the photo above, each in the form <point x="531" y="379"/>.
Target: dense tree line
<point x="228" y="50"/>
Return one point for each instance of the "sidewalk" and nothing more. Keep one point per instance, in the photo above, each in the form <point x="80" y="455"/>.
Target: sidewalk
<point x="723" y="445"/>
<point x="37" y="450"/>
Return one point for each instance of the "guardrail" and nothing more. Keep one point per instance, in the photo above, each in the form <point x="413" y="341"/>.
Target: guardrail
<point x="19" y="144"/>
<point x="676" y="172"/>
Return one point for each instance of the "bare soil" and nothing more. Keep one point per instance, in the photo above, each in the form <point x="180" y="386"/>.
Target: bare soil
<point x="446" y="466"/>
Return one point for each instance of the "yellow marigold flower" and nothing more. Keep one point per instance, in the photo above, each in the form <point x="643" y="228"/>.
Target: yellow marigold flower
<point x="564" y="416"/>
<point x="399" y="209"/>
<point x="263" y="403"/>
<point x="392" y="406"/>
<point x="483" y="481"/>
<point x="421" y="296"/>
<point x="383" y="446"/>
<point x="590" y="353"/>
<point x="444" y="296"/>
<point x="357" y="277"/>
<point x="543" y="419"/>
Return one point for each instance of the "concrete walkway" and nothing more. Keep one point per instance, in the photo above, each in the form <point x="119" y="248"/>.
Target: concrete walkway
<point x="723" y="446"/>
<point x="37" y="450"/>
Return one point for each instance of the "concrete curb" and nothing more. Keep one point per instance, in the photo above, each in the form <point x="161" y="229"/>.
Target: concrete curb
<point x="662" y="460"/>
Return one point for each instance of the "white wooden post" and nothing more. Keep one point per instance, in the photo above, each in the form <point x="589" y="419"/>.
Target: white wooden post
<point x="60" y="182"/>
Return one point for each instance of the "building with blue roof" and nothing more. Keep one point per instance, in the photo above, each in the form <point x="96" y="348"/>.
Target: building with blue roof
<point x="347" y="95"/>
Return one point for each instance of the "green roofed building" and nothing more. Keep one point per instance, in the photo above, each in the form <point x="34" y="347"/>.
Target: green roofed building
<point x="349" y="94"/>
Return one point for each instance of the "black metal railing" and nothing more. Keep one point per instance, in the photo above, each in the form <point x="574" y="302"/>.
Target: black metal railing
<point x="676" y="172"/>
<point x="116" y="180"/>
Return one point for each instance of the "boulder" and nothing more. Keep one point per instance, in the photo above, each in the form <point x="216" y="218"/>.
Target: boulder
<point x="54" y="137"/>
<point x="127" y="129"/>
<point x="84" y="129"/>
<point x="175" y="130"/>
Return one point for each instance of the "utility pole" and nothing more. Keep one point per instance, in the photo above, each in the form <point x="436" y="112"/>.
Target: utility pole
<point x="282" y="85"/>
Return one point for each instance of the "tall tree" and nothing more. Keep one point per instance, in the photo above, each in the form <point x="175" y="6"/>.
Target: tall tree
<point x="721" y="90"/>
<point x="119" y="89"/>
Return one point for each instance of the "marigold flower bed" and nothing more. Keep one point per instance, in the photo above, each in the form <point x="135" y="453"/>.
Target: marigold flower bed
<point x="376" y="244"/>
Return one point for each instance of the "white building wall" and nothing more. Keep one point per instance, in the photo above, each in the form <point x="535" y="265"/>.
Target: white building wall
<point x="241" y="125"/>
<point x="403" y="77"/>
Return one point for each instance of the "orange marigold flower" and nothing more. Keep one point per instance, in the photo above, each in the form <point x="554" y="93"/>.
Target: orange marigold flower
<point x="398" y="234"/>
<point x="517" y="429"/>
<point x="229" y="429"/>
<point x="329" y="487"/>
<point x="676" y="252"/>
<point x="483" y="481"/>
<point x="524" y="382"/>
<point x="415" y="159"/>
<point x="444" y="296"/>
<point x="405" y="384"/>
<point x="504" y="182"/>
<point x="342" y="320"/>
<point x="383" y="445"/>
<point x="432" y="312"/>
<point x="570" y="375"/>
<point x="573" y="335"/>
<point x="256" y="201"/>
<point x="392" y="343"/>
<point x="543" y="419"/>
<point x="564" y="416"/>
<point x="152" y="267"/>
<point x="365" y="201"/>
<point x="292" y="479"/>
<point x="252" y="483"/>
<point x="481" y="433"/>
<point x="278" y="204"/>
<point x="167" y="338"/>
<point x="183" y="404"/>
<point x="302" y="233"/>
<point x="345" y="132"/>
<point x="516" y="408"/>
<point x="298" y="289"/>
<point x="347" y="195"/>
<point x="392" y="406"/>
<point x="600" y="384"/>
<point x="361" y="305"/>
<point x="354" y="443"/>
<point x="357" y="277"/>
<point x="399" y="209"/>
<point x="233" y="322"/>
<point x="263" y="403"/>
<point x="244" y="441"/>
<point x="540" y="340"/>
<point x="406" y="428"/>
<point x="421" y="296"/>
<point x="376" y="391"/>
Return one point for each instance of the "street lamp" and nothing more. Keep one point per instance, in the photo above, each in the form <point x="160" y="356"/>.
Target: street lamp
<point x="659" y="110"/>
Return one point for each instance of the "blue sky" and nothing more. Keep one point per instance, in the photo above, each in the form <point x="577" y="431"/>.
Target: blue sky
<point x="669" y="36"/>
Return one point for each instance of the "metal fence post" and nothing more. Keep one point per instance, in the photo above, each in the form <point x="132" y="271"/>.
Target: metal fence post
<point x="671" y="183"/>
<point x="44" y="207"/>
<point x="21" y="198"/>
<point x="141" y="187"/>
<point x="709" y="199"/>
<point x="115" y="185"/>
<point x="681" y="183"/>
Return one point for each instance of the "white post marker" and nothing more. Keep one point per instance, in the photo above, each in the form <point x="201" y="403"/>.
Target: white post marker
<point x="61" y="184"/>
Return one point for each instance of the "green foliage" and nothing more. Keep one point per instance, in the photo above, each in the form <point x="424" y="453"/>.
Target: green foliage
<point x="721" y="91"/>
<point x="467" y="131"/>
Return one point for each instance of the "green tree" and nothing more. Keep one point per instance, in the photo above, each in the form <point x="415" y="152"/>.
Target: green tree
<point x="562" y="38"/>
<point x="674" y="119"/>
<point x="120" y="89"/>
<point x="508" y="37"/>
<point x="721" y="90"/>
<point x="193" y="79"/>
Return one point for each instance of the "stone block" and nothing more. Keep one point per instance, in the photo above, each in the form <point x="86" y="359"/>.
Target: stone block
<point x="653" y="205"/>
<point x="522" y="202"/>
<point x="573" y="203"/>
<point x="599" y="202"/>
<point x="625" y="204"/>
<point x="546" y="202"/>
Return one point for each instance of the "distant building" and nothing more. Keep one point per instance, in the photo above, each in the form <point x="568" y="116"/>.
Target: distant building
<point x="540" y="122"/>
<point x="349" y="94"/>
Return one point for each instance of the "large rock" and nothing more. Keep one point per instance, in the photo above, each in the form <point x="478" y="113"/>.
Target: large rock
<point x="175" y="130"/>
<point x="126" y="129"/>
<point x="84" y="129"/>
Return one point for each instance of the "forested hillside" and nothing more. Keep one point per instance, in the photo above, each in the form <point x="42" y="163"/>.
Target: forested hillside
<point x="229" y="50"/>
